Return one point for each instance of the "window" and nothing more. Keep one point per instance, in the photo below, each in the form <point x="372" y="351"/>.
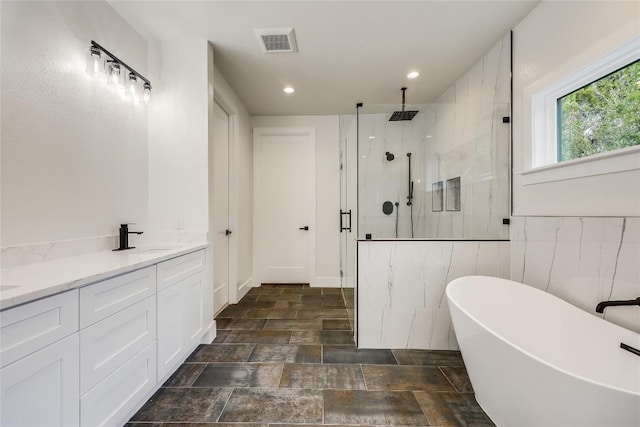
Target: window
<point x="600" y="117"/>
<point x="585" y="122"/>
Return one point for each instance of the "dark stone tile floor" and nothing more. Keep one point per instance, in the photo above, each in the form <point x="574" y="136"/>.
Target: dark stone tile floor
<point x="284" y="356"/>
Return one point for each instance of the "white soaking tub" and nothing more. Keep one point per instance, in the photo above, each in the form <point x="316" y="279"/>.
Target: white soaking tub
<point x="536" y="360"/>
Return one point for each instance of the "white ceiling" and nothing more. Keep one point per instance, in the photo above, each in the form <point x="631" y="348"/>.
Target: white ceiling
<point x="349" y="51"/>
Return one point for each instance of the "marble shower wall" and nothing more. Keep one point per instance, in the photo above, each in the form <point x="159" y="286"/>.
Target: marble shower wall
<point x="400" y="296"/>
<point x="470" y="140"/>
<point x="381" y="180"/>
<point x="461" y="135"/>
<point x="583" y="260"/>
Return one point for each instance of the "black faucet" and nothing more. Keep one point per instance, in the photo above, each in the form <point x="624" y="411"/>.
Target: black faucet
<point x="601" y="306"/>
<point x="124" y="237"/>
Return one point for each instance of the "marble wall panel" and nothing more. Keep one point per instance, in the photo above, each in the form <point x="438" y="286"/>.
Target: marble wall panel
<point x="583" y="260"/>
<point x="401" y="289"/>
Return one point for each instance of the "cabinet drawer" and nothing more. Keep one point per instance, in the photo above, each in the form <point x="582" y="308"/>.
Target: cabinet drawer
<point x="108" y="344"/>
<point x="121" y="392"/>
<point x="176" y="269"/>
<point x="102" y="299"/>
<point x="35" y="325"/>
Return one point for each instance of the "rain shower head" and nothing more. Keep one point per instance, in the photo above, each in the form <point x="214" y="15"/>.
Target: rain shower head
<point x="403" y="115"/>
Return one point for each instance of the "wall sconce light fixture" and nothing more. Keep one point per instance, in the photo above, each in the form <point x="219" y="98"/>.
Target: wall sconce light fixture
<point x="102" y="63"/>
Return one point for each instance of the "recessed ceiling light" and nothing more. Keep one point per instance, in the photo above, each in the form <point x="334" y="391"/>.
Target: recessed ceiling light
<point x="372" y="137"/>
<point x="289" y="89"/>
<point x="413" y="75"/>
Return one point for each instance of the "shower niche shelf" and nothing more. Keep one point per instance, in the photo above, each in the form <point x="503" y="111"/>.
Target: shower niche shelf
<point x="437" y="197"/>
<point x="453" y="194"/>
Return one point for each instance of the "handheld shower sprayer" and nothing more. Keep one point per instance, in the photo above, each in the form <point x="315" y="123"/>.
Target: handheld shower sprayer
<point x="410" y="196"/>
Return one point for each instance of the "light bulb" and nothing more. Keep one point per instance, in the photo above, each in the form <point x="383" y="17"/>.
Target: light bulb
<point x="146" y="92"/>
<point x="133" y="82"/>
<point x="94" y="61"/>
<point x="114" y="73"/>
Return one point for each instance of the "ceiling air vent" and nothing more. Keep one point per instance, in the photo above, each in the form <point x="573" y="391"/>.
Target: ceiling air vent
<point x="277" y="40"/>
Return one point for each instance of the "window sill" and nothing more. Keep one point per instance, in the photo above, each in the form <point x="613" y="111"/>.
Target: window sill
<point x="626" y="159"/>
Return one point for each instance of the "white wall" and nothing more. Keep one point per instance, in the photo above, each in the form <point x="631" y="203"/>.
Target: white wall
<point x="327" y="189"/>
<point x="242" y="177"/>
<point x="578" y="239"/>
<point x="74" y="153"/>
<point x="178" y="135"/>
<point x="555" y="39"/>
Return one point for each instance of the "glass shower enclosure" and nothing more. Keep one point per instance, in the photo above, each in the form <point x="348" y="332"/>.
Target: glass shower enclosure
<point x="430" y="178"/>
<point x="442" y="174"/>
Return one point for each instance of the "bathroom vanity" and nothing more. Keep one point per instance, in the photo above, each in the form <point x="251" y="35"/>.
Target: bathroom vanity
<point x="87" y="340"/>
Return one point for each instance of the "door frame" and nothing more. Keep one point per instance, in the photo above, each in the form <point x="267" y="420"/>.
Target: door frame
<point x="227" y="107"/>
<point x="258" y="259"/>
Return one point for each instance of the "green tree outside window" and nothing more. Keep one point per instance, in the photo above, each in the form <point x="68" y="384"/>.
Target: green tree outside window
<point x="602" y="116"/>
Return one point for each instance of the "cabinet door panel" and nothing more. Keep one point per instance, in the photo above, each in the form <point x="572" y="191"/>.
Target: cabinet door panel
<point x="170" y="342"/>
<point x="46" y="380"/>
<point x="30" y="327"/>
<point x="109" y="343"/>
<point x="192" y="306"/>
<point x="121" y="392"/>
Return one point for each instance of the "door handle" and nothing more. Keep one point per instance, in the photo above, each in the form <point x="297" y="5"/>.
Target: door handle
<point x="342" y="227"/>
<point x="306" y="228"/>
<point x="227" y="232"/>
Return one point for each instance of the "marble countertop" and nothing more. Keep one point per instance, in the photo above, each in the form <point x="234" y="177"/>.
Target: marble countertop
<point x="19" y="285"/>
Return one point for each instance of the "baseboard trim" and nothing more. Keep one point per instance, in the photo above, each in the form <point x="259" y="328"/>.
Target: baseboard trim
<point x="325" y="282"/>
<point x="210" y="334"/>
<point x="244" y="288"/>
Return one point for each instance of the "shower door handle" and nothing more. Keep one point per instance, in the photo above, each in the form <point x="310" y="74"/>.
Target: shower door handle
<point x="305" y="228"/>
<point x="342" y="227"/>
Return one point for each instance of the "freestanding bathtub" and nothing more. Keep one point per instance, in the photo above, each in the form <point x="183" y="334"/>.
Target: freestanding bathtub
<point x="536" y="360"/>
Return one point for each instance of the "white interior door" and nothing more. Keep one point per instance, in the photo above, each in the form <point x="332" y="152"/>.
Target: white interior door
<point x="284" y="197"/>
<point x="221" y="232"/>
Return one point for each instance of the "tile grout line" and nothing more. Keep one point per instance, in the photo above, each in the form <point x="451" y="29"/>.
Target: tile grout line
<point x="394" y="357"/>
<point x="364" y="379"/>
<point x="421" y="408"/>
<point x="449" y="380"/>
<point x="225" y="404"/>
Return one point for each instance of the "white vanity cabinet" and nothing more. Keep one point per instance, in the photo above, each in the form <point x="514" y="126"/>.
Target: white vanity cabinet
<point x="92" y="356"/>
<point x="180" y="306"/>
<point x="39" y="378"/>
<point x="117" y="346"/>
